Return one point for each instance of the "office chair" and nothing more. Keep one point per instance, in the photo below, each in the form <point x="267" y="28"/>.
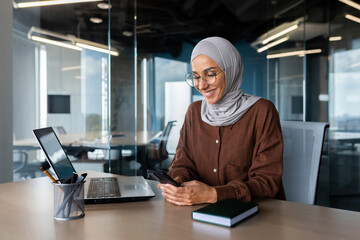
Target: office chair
<point x="60" y="129"/>
<point x="22" y="168"/>
<point x="157" y="151"/>
<point x="20" y="159"/>
<point x="303" y="143"/>
<point x="151" y="156"/>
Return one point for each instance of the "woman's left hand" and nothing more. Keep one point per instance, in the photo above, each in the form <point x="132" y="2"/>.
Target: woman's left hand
<point x="192" y="192"/>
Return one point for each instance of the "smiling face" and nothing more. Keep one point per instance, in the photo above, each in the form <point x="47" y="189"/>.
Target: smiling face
<point x="212" y="92"/>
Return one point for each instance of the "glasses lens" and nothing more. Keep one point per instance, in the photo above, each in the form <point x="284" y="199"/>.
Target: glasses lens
<point x="210" y="76"/>
<point x="189" y="78"/>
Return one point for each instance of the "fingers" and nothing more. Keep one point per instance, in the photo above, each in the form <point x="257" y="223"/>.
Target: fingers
<point x="179" y="203"/>
<point x="192" y="192"/>
<point x="177" y="195"/>
<point x="176" y="191"/>
<point x="160" y="185"/>
<point x="169" y="187"/>
<point x="177" y="200"/>
<point x="163" y="185"/>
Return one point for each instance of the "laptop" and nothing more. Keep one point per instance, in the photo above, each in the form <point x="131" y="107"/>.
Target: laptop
<point x="99" y="189"/>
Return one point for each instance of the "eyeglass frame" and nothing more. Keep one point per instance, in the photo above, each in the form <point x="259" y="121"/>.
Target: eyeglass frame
<point x="201" y="76"/>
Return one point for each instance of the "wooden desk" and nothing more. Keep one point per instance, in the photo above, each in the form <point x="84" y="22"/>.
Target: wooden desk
<point x="99" y="140"/>
<point x="26" y="212"/>
<point x="82" y="143"/>
<point x="344" y="137"/>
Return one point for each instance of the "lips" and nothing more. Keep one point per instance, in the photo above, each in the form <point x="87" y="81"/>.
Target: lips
<point x="209" y="93"/>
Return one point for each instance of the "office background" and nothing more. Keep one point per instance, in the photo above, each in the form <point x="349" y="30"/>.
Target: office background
<point x="311" y="74"/>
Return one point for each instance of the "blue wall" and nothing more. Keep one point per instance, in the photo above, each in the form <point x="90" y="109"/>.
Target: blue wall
<point x="184" y="55"/>
<point x="254" y="78"/>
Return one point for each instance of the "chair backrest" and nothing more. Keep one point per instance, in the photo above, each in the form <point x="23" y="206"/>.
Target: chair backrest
<point x="20" y="159"/>
<point x="60" y="130"/>
<point x="158" y="146"/>
<point x="303" y="143"/>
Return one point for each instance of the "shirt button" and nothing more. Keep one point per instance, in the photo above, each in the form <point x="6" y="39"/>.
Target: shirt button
<point x="214" y="170"/>
<point x="217" y="141"/>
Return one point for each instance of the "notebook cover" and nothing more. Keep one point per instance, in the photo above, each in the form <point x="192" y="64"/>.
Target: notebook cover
<point x="228" y="209"/>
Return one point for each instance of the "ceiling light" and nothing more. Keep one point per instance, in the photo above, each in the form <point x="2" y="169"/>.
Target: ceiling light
<point x="51" y="2"/>
<point x="354" y="65"/>
<point x="335" y="38"/>
<point x="98" y="49"/>
<point x="103" y="5"/>
<point x="299" y="53"/>
<point x="351" y="4"/>
<point x="56" y="43"/>
<point x="283" y="32"/>
<point x="270" y="45"/>
<point x="96" y="20"/>
<point x="71" y="68"/>
<point x="127" y="33"/>
<point x="323" y="97"/>
<point x="71" y="42"/>
<point x="353" y="18"/>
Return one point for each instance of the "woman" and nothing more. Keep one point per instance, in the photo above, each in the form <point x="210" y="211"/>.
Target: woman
<point x="230" y="145"/>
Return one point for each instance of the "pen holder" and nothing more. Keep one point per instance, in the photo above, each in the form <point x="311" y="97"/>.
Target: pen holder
<point x="68" y="201"/>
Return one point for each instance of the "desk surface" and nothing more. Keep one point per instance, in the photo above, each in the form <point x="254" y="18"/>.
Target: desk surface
<point x="337" y="135"/>
<point x="26" y="213"/>
<point x="94" y="139"/>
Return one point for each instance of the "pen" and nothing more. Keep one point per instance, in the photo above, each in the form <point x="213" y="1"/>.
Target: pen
<point x="74" y="177"/>
<point x="68" y="206"/>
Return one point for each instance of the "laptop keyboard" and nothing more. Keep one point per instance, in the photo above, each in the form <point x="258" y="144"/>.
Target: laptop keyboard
<point x="103" y="188"/>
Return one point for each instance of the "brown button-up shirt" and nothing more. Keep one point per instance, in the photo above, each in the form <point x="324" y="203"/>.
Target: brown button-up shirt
<point x="242" y="161"/>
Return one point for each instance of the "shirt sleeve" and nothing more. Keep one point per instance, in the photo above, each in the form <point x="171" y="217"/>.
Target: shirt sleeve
<point x="183" y="167"/>
<point x="264" y="175"/>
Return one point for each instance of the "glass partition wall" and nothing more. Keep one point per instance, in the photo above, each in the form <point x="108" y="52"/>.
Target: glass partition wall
<point x="312" y="76"/>
<point x="344" y="99"/>
<point x="73" y="72"/>
<point x="286" y="51"/>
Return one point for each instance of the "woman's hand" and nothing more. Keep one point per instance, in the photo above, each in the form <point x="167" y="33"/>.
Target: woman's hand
<point x="193" y="192"/>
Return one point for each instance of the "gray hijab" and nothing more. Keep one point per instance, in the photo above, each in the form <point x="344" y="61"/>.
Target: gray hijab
<point x="234" y="103"/>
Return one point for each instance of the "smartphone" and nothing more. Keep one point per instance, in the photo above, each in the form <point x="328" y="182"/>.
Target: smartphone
<point x="162" y="177"/>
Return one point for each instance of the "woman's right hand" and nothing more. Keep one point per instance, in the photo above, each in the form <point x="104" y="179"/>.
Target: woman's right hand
<point x="190" y="193"/>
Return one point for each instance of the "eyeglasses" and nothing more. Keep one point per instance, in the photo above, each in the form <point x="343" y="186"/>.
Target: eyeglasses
<point x="208" y="76"/>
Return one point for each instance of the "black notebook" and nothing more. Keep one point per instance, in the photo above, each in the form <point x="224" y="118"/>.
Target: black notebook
<point x="225" y="212"/>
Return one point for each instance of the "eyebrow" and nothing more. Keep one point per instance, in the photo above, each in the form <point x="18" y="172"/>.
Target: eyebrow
<point x="210" y="68"/>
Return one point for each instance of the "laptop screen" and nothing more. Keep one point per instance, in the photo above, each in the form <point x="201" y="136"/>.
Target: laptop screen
<point x="54" y="152"/>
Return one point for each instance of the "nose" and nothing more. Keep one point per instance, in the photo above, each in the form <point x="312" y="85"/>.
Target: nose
<point x="202" y="84"/>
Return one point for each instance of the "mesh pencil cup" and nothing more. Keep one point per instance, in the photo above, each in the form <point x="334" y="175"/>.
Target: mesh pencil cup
<point x="68" y="201"/>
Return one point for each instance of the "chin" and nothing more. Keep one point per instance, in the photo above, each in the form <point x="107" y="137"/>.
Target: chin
<point x="211" y="101"/>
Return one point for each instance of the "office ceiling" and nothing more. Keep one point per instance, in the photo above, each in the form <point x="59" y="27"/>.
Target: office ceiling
<point x="162" y="25"/>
